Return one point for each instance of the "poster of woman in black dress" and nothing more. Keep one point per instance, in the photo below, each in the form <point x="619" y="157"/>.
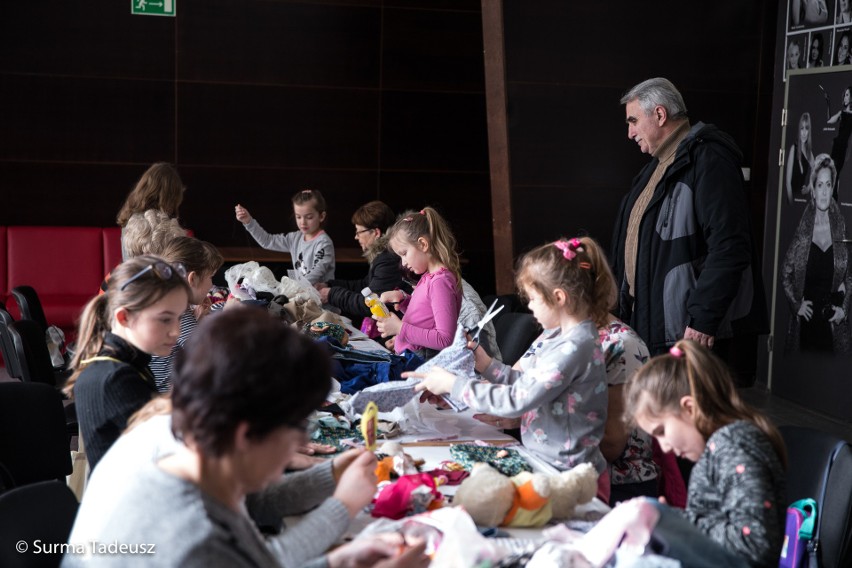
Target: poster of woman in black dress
<point x="815" y="275"/>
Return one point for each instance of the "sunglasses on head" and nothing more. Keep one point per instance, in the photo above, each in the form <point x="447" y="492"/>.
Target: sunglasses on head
<point x="163" y="270"/>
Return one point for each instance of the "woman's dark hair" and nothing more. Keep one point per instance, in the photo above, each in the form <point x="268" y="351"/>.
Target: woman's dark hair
<point x="160" y="187"/>
<point x="374" y="215"/>
<point x="195" y="255"/>
<point x="245" y="366"/>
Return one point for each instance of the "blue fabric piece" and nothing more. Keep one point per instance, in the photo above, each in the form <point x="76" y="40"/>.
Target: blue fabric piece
<point x="356" y="369"/>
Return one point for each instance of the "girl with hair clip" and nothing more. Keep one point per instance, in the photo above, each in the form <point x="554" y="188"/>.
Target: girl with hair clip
<point x="558" y="386"/>
<point x="426" y="245"/>
<point x="736" y="502"/>
<point x="160" y="188"/>
<point x="138" y="316"/>
<point x="310" y="248"/>
<point x="200" y="260"/>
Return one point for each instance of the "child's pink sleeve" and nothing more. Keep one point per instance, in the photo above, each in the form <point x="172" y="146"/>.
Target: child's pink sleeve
<point x="444" y="303"/>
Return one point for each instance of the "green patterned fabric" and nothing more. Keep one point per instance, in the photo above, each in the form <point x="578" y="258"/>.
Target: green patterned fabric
<point x="333" y="436"/>
<point x="469" y="454"/>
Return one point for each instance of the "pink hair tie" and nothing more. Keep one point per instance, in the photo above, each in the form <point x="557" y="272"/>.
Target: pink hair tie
<point x="422" y="211"/>
<point x="566" y="249"/>
<point x="676" y="352"/>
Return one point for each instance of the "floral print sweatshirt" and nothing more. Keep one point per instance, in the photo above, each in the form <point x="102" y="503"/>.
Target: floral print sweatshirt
<point x="559" y="389"/>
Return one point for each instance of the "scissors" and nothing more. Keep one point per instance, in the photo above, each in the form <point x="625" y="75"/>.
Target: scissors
<point x="477" y="329"/>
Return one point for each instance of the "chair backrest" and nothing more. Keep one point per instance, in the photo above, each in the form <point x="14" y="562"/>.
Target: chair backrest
<point x="40" y="515"/>
<point x="515" y="333"/>
<point x="33" y="355"/>
<point x="7" y="344"/>
<point x="821" y="468"/>
<point x="33" y="440"/>
<point x="30" y="305"/>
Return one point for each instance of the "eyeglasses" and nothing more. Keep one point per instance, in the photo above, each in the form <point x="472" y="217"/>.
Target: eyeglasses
<point x="163" y="270"/>
<point x="363" y="231"/>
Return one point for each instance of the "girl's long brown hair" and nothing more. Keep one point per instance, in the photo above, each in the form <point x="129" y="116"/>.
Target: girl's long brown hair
<point x="660" y="384"/>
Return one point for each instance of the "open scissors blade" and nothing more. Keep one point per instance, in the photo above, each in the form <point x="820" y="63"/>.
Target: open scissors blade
<point x="489" y="315"/>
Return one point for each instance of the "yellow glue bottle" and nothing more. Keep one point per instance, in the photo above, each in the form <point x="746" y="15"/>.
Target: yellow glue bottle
<point x="377" y="307"/>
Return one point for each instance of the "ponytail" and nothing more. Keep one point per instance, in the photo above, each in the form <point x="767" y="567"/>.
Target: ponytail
<point x="429" y="224"/>
<point x="94" y="323"/>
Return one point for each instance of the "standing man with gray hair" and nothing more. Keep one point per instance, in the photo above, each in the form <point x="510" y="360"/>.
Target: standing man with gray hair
<point x="683" y="252"/>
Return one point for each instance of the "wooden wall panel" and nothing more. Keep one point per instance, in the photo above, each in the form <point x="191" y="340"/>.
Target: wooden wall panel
<point x="434" y="131"/>
<point x="53" y="118"/>
<point x="268" y="126"/>
<point x="93" y="38"/>
<point x="257" y="41"/>
<point x="432" y="50"/>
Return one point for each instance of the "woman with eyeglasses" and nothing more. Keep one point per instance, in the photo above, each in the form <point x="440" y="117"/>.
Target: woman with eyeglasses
<point x="243" y="389"/>
<point x="371" y="222"/>
<point x="119" y="331"/>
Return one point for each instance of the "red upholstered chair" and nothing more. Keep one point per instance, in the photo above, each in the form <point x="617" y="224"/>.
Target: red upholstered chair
<point x="112" y="248"/>
<point x="4" y="276"/>
<point x="64" y="264"/>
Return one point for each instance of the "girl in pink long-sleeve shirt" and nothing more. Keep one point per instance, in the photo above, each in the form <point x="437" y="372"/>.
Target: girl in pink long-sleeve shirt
<point x="426" y="245"/>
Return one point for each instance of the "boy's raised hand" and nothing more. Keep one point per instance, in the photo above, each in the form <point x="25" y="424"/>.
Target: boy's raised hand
<point x="243" y="216"/>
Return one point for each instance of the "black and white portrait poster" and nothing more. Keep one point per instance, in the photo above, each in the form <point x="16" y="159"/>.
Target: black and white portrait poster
<point x="812" y="288"/>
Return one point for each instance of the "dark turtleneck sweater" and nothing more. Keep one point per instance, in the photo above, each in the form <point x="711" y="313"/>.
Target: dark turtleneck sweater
<point x="107" y="392"/>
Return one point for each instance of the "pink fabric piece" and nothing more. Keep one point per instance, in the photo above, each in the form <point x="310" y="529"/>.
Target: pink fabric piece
<point x="369" y="327"/>
<point x="394" y="501"/>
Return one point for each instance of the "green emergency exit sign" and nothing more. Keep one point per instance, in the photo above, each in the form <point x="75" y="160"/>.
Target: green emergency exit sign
<point x="153" y="7"/>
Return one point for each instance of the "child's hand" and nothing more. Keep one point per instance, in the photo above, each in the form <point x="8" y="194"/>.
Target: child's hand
<point x="392" y="296"/>
<point x="388" y="326"/>
<point x="357" y="483"/>
<point x="436" y="380"/>
<point x="323" y="294"/>
<point x="481" y="359"/>
<point x="389" y="343"/>
<point x="320" y="285"/>
<point x="243" y="216"/>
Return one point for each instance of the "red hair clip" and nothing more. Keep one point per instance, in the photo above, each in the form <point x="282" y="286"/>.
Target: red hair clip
<point x="585" y="265"/>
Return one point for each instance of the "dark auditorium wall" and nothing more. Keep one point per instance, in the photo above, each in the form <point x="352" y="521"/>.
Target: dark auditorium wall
<point x="252" y="100"/>
<point x="363" y="99"/>
<point x="569" y="63"/>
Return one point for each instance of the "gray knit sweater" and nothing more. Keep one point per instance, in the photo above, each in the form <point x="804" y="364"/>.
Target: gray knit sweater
<point x="737" y="493"/>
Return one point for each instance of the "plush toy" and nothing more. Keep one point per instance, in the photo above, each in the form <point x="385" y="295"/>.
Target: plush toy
<point x="527" y="499"/>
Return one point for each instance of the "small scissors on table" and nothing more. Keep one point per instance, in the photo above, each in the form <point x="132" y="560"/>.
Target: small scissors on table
<point x="477" y="329"/>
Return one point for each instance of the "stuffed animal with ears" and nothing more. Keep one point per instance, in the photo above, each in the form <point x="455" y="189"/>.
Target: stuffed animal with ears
<point x="527" y="499"/>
